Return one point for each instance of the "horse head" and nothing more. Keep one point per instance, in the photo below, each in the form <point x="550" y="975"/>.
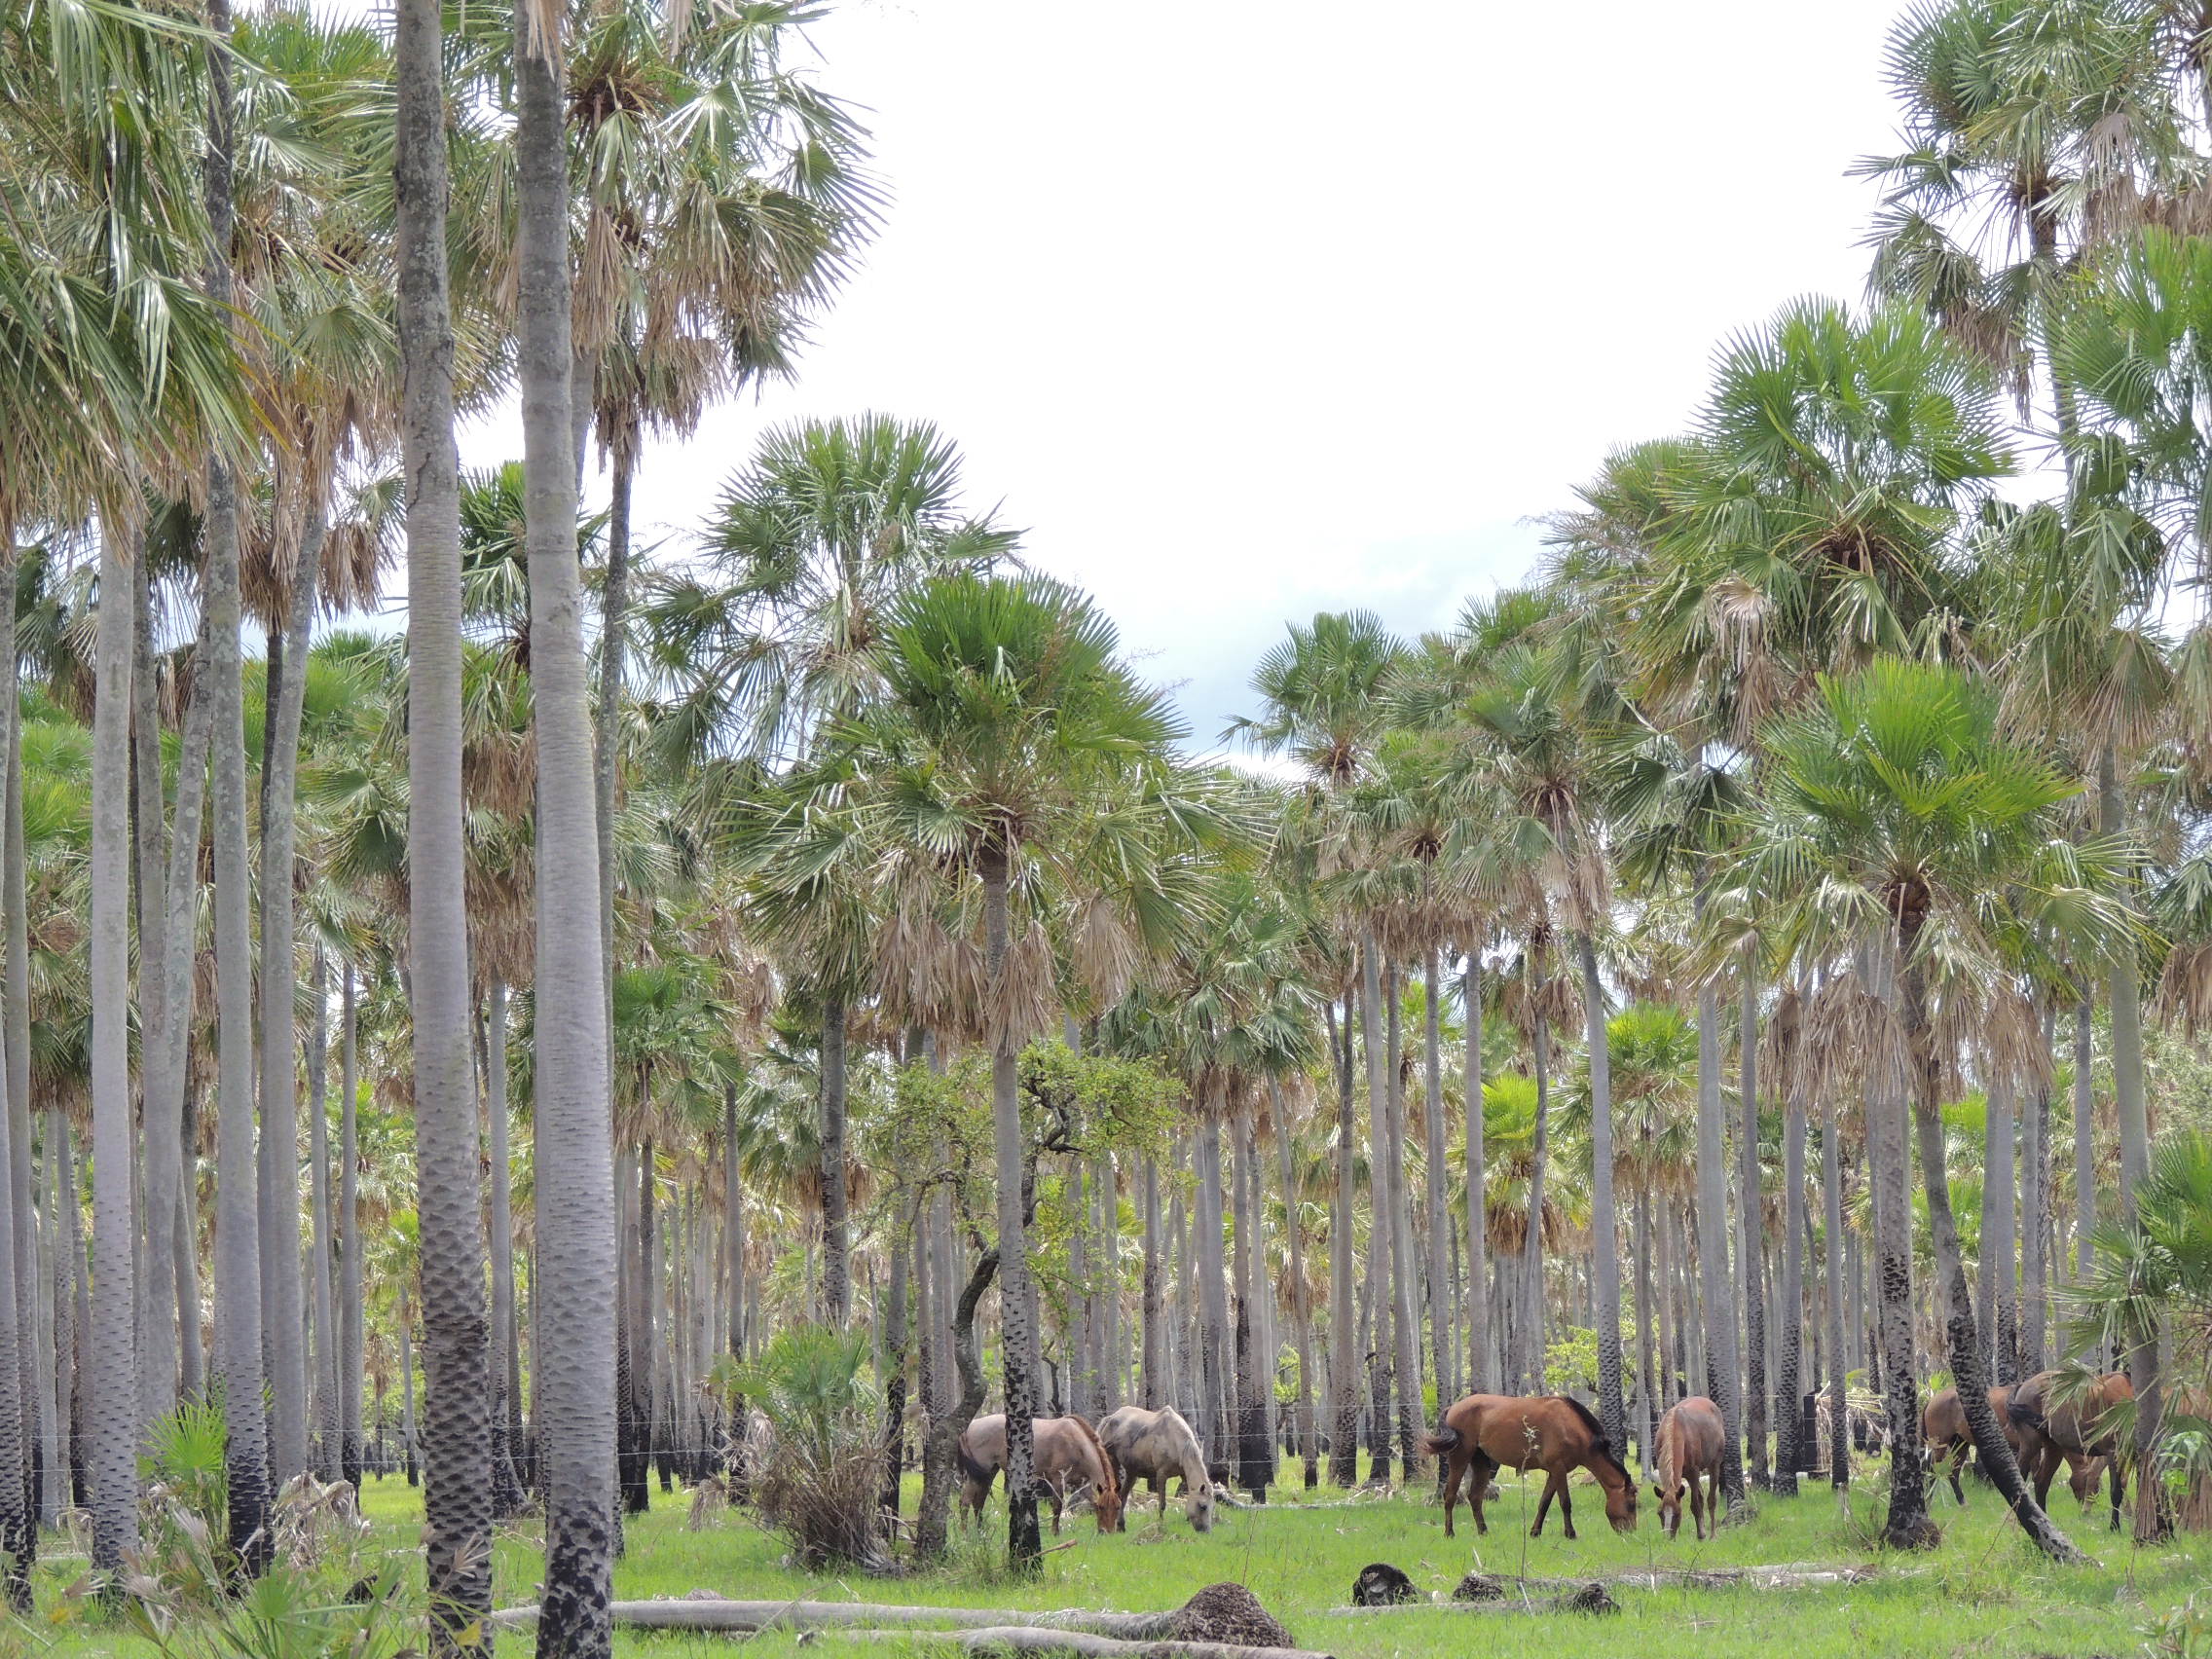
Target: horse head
<point x="1620" y="1503"/>
<point x="1669" y="1499"/>
<point x="1198" y="1505"/>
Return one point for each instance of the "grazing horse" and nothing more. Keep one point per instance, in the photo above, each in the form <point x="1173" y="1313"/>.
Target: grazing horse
<point x="1068" y="1461"/>
<point x="2050" y="1434"/>
<point x="1943" y="1426"/>
<point x="1483" y="1433"/>
<point x="1158" y="1446"/>
<point x="1689" y="1441"/>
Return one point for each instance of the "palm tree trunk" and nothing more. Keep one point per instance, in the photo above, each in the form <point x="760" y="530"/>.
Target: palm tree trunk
<point x="2034" y="1213"/>
<point x="1254" y="1378"/>
<point x="1302" y="1309"/>
<point x="1405" y="1316"/>
<point x="1723" y="1371"/>
<point x="351" y="1312"/>
<point x="506" y="1419"/>
<point x="1152" y="1369"/>
<point x="15" y="1015"/>
<point x="449" y="1203"/>
<point x="1999" y="1287"/>
<point x="1605" y="1227"/>
<point x="156" y="1310"/>
<point x="1529" y="1330"/>
<point x="1439" y="1226"/>
<point x="112" y="1455"/>
<point x="327" y="1362"/>
<point x="1646" y="1355"/>
<point x="2084" y="1140"/>
<point x="1024" y="1552"/>
<point x="1789" y="1383"/>
<point x="238" y="1245"/>
<point x="1343" y="1368"/>
<point x="1217" y="1428"/>
<point x="1752" y="1219"/>
<point x="279" y="1165"/>
<point x="1478" y="1218"/>
<point x="836" y="1271"/>
<point x="1381" y="1233"/>
<point x="895" y="1375"/>
<point x="575" y="1134"/>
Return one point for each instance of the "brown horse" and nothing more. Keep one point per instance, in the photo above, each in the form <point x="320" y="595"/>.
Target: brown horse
<point x="1068" y="1461"/>
<point x="1943" y="1428"/>
<point x="1689" y="1441"/>
<point x="1483" y="1433"/>
<point x="2051" y="1433"/>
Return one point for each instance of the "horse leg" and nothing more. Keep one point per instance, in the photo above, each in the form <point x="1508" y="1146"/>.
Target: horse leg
<point x="1554" y="1486"/>
<point x="1455" y="1467"/>
<point x="1958" y="1463"/>
<point x="2047" y="1460"/>
<point x="1479" y="1473"/>
<point x="1697" y="1506"/>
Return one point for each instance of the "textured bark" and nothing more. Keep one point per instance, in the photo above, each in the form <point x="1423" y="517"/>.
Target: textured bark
<point x="1750" y="1218"/>
<point x="18" y="1503"/>
<point x="1255" y="1368"/>
<point x="2085" y="1141"/>
<point x="1216" y="1429"/>
<point x="1405" y="1315"/>
<point x="282" y="1296"/>
<point x="237" y="1244"/>
<point x="1382" y="1235"/>
<point x="1605" y="1227"/>
<point x="1023" y="1544"/>
<point x="575" y="1209"/>
<point x="1908" y="1525"/>
<point x="506" y="1449"/>
<point x="1790" y="1356"/>
<point x="1344" y="1365"/>
<point x="156" y="1267"/>
<point x="945" y="1429"/>
<point x="1445" y="1371"/>
<point x="328" y="1363"/>
<point x="837" y="1271"/>
<point x="450" y="1201"/>
<point x="16" y="1016"/>
<point x="349" y="1337"/>
<point x="2035" y="1217"/>
<point x="1999" y="1294"/>
<point x="895" y="1377"/>
<point x="1724" y="1369"/>
<point x="1478" y="1218"/>
<point x="1302" y="1313"/>
<point x="1528" y="1367"/>
<point x="112" y="1457"/>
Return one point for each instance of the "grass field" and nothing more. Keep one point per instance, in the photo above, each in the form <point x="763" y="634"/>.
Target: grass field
<point x="1984" y="1592"/>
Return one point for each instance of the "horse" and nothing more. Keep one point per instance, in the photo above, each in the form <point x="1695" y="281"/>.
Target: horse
<point x="1067" y="1460"/>
<point x="1689" y="1441"/>
<point x="1483" y="1433"/>
<point x="2050" y="1434"/>
<point x="1158" y="1446"/>
<point x="1943" y="1426"/>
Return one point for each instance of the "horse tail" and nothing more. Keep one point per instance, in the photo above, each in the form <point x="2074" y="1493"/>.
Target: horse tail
<point x="970" y="1465"/>
<point x="1106" y="1481"/>
<point x="1445" y="1439"/>
<point x="2024" y="1415"/>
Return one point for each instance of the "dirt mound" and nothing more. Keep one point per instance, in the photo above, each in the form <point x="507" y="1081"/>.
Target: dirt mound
<point x="1479" y="1587"/>
<point x="1230" y="1613"/>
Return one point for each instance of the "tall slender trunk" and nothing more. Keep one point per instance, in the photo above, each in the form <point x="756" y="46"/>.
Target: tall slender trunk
<point x="1528" y="1328"/>
<point x="1432" y="1147"/>
<point x="19" y="1414"/>
<point x="2000" y="1293"/>
<point x="155" y="1364"/>
<point x="2034" y="1214"/>
<point x="328" y="1366"/>
<point x="1381" y="1235"/>
<point x="1302" y="1310"/>
<point x="895" y="1375"/>
<point x="1024" y="1547"/>
<point x="1344" y="1365"/>
<point x="1255" y="1360"/>
<point x="575" y="1134"/>
<point x="505" y="1383"/>
<point x="1964" y="1340"/>
<point x="112" y="1457"/>
<point x="1908" y="1525"/>
<point x="1723" y="1370"/>
<point x="1789" y="1383"/>
<point x="1152" y="1371"/>
<point x="1216" y="1428"/>
<point x="38" y="1429"/>
<point x="836" y="1273"/>
<point x="1478" y="1218"/>
<point x="1750" y="1217"/>
<point x="2084" y="1140"/>
<point x="1646" y="1354"/>
<point x="1405" y="1313"/>
<point x="351" y="1312"/>
<point x="1605" y="1227"/>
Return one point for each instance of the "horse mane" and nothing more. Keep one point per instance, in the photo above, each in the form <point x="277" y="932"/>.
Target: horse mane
<point x="1602" y="1448"/>
<point x="1105" y="1464"/>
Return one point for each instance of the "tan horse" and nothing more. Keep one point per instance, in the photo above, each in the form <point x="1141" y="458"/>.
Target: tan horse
<point x="2051" y="1434"/>
<point x="1689" y="1441"/>
<point x="1068" y="1462"/>
<point x="1943" y="1428"/>
<point x="1158" y="1446"/>
<point x="1483" y="1433"/>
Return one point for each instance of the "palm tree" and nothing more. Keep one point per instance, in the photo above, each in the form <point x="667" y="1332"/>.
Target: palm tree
<point x="458" y="1495"/>
<point x="1906" y="825"/>
<point x="574" y="1129"/>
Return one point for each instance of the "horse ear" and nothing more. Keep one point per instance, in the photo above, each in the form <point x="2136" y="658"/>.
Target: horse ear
<point x="1658" y="1492"/>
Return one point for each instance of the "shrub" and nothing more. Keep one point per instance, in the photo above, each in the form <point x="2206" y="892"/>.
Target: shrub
<point x="819" y="1479"/>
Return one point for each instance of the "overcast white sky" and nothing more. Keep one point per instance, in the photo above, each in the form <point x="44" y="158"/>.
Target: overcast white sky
<point x="1248" y="310"/>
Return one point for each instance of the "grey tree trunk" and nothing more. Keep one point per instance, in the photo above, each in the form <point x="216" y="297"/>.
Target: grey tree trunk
<point x="1478" y="1218"/>
<point x="1750" y="1217"/>
<point x="1217" y="1428"/>
<point x="1789" y="1385"/>
<point x="2035" y="1216"/>
<point x="1724" y="1369"/>
<point x="156" y="1245"/>
<point x="1344" y="1367"/>
<point x="1908" y="1525"/>
<point x="1605" y="1227"/>
<point x="328" y="1365"/>
<point x="1024" y="1547"/>
<point x="450" y="1203"/>
<point x="1381" y="1233"/>
<point x="1439" y="1226"/>
<point x="237" y="1244"/>
<point x="1153" y="1368"/>
<point x="112" y="1457"/>
<point x="351" y="1312"/>
<point x="506" y="1448"/>
<point x="1255" y="1370"/>
<point x="15" y="1015"/>
<point x="279" y="1165"/>
<point x="574" y="1133"/>
<point x="1309" y="1444"/>
<point x="1528" y="1367"/>
<point x="1405" y="1315"/>
<point x="836" y="1273"/>
<point x="2085" y="1141"/>
<point x="2000" y="1293"/>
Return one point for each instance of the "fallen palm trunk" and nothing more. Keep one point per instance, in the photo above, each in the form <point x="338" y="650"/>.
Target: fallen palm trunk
<point x="1579" y="1595"/>
<point x="1482" y="1592"/>
<point x="1035" y="1638"/>
<point x="713" y="1613"/>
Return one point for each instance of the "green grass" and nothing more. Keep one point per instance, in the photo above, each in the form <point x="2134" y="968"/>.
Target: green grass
<point x="1984" y="1591"/>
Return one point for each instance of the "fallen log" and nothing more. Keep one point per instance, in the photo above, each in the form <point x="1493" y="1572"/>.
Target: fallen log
<point x="1478" y="1592"/>
<point x="1034" y="1639"/>
<point x="709" y="1614"/>
<point x="1581" y="1596"/>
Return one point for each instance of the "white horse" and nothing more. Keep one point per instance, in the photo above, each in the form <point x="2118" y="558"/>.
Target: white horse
<point x="1158" y="1447"/>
